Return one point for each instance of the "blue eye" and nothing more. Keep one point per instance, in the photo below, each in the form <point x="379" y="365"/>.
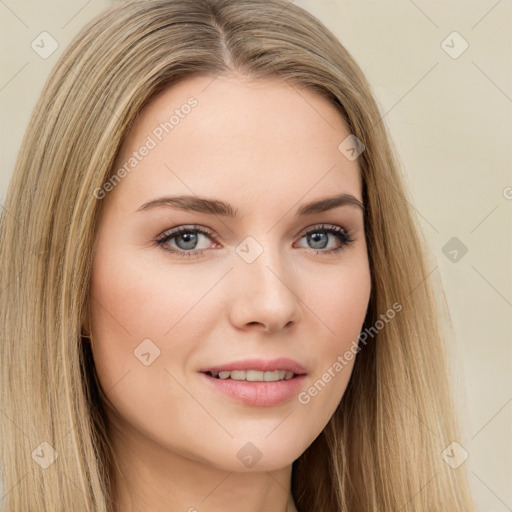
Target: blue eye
<point x="186" y="239"/>
<point x="320" y="239"/>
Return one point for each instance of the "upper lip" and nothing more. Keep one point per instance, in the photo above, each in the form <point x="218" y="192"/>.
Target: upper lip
<point x="264" y="365"/>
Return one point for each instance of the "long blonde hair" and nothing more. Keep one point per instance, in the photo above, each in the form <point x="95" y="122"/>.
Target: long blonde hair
<point x="381" y="450"/>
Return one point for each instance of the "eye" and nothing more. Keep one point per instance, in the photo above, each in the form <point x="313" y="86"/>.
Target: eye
<point x="186" y="239"/>
<point x="319" y="238"/>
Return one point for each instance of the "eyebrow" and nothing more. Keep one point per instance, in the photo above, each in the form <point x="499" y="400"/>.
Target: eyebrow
<point x="221" y="208"/>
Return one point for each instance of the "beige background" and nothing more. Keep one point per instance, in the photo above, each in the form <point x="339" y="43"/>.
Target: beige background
<point x="450" y="119"/>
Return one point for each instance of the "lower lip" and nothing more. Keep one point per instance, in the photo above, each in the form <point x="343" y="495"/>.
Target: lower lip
<point x="259" y="394"/>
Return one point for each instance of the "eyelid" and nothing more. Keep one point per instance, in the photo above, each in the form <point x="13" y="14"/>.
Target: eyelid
<point x="210" y="232"/>
<point x="320" y="226"/>
<point x="185" y="227"/>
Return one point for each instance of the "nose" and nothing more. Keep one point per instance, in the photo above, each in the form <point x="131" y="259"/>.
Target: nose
<point x="263" y="294"/>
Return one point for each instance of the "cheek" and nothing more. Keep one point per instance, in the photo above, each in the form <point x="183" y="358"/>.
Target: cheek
<point x="141" y="317"/>
<point x="130" y="306"/>
<point x="341" y="302"/>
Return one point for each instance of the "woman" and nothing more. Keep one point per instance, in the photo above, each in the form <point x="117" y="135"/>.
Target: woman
<point x="225" y="304"/>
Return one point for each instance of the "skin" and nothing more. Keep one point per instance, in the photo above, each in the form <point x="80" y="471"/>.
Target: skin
<point x="267" y="148"/>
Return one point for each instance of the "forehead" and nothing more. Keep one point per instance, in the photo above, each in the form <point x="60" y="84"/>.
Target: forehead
<point x="223" y="135"/>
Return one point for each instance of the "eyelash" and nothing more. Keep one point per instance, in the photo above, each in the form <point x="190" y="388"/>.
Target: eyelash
<point x="342" y="234"/>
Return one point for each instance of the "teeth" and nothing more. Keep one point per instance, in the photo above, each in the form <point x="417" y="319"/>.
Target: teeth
<point x="254" y="375"/>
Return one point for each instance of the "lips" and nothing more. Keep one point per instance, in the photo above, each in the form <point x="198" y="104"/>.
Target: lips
<point x="257" y="392"/>
<point x="264" y="365"/>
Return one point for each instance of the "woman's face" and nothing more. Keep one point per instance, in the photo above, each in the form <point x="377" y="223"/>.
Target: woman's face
<point x="265" y="284"/>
